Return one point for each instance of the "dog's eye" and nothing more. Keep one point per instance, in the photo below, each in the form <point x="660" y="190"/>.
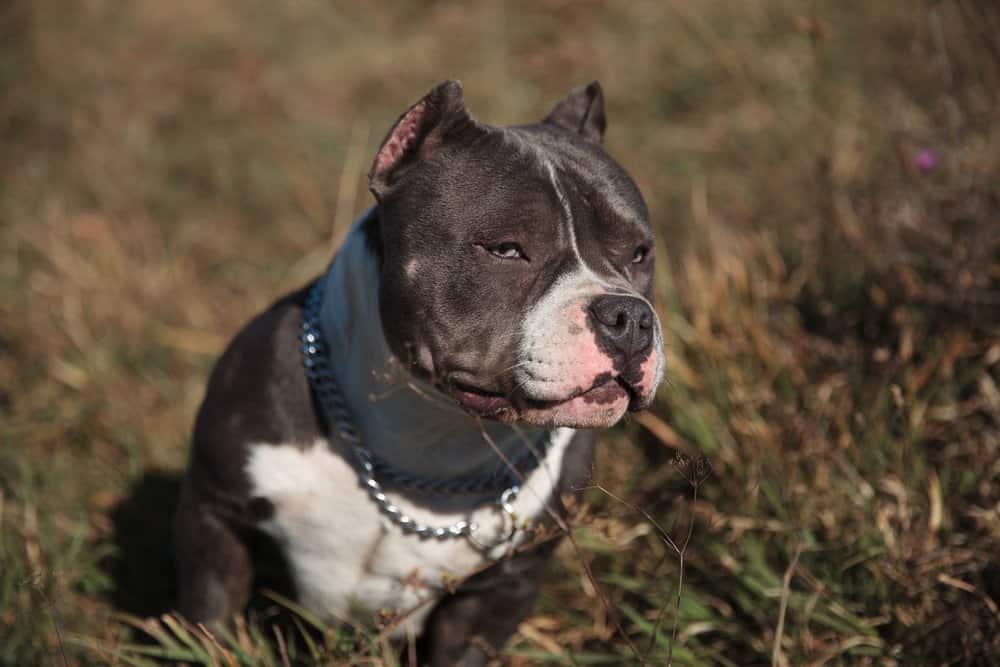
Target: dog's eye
<point x="640" y="254"/>
<point x="506" y="250"/>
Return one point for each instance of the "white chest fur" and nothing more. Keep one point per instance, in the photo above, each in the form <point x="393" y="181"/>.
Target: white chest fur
<point x="345" y="556"/>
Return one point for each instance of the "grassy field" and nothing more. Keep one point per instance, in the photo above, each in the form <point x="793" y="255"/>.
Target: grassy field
<point x="824" y="178"/>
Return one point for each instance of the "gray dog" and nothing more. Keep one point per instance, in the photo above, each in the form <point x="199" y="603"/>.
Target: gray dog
<point x="390" y="428"/>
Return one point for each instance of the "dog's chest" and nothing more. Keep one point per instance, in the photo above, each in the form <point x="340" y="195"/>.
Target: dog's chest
<point x="346" y="556"/>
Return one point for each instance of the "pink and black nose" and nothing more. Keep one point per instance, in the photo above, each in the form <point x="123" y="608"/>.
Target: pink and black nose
<point x="624" y="326"/>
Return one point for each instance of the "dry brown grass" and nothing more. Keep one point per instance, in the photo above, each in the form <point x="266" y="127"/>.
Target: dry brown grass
<point x="168" y="169"/>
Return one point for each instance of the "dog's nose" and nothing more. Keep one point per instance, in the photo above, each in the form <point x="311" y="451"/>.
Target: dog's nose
<point x="624" y="324"/>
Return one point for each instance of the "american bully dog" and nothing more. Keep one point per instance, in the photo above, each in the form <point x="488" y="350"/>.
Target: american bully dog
<point x="392" y="429"/>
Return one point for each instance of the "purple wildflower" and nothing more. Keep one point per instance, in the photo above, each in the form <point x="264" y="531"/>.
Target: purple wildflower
<point x="926" y="160"/>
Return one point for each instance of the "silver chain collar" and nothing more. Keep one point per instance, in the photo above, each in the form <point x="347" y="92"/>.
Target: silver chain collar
<point x="324" y="384"/>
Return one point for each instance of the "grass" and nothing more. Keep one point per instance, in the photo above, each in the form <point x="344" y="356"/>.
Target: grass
<point x="823" y="178"/>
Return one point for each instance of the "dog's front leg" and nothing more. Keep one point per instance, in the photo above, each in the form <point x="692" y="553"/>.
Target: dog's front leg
<point x="471" y="625"/>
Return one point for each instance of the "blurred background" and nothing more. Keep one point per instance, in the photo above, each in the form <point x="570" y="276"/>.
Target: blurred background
<point x="823" y="178"/>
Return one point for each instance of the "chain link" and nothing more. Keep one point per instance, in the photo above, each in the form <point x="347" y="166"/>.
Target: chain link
<point x="505" y="483"/>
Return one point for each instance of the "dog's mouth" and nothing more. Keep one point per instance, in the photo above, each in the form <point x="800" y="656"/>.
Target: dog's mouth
<point x="479" y="401"/>
<point x="510" y="407"/>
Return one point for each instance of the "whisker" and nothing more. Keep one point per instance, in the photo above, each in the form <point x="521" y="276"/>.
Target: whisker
<point x="510" y="368"/>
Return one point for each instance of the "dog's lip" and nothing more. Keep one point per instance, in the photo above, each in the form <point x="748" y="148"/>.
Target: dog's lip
<point x="606" y="388"/>
<point x="477" y="399"/>
<point x="492" y="403"/>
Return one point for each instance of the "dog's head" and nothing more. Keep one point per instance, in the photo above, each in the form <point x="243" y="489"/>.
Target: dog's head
<point x="517" y="263"/>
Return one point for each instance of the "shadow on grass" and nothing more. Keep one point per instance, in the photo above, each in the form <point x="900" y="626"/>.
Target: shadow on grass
<point x="143" y="567"/>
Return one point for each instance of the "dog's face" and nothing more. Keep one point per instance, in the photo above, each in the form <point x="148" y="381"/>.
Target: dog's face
<point x="517" y="263"/>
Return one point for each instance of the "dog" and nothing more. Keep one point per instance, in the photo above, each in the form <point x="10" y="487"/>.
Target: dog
<point x="392" y="431"/>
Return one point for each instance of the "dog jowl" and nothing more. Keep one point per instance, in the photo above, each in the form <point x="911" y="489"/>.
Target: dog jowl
<point x="489" y="312"/>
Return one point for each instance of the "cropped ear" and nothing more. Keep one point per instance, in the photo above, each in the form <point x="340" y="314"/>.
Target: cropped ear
<point x="418" y="134"/>
<point x="582" y="111"/>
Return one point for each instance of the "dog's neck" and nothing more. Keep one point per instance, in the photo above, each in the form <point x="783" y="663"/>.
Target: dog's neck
<point x="406" y="422"/>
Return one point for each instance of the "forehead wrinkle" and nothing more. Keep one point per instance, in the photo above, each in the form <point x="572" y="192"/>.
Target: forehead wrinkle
<point x="581" y="264"/>
<point x="622" y="209"/>
<point x="561" y="162"/>
<point x="563" y="203"/>
<point x="611" y="276"/>
<point x="608" y="190"/>
<point x="527" y="145"/>
<point x="610" y="183"/>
